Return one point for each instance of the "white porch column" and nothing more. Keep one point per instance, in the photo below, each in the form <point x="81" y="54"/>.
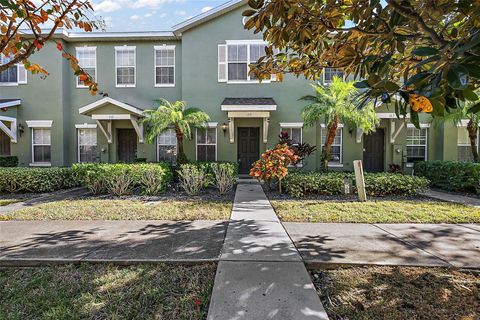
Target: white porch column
<point x="231" y="129"/>
<point x="266" y="121"/>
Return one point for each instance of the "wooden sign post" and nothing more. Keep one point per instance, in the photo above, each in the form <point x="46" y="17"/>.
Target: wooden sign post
<point x="360" y="180"/>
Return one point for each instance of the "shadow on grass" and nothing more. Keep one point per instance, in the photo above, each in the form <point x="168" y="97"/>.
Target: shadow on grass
<point x="99" y="291"/>
<point x="398" y="293"/>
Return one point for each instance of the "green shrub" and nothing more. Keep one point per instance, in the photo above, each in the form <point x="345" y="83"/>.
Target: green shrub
<point x="192" y="178"/>
<point x="207" y="168"/>
<point x="35" y="179"/>
<point x="225" y="175"/>
<point x="9" y="161"/>
<point x="451" y="175"/>
<point x="301" y="184"/>
<point x="121" y="178"/>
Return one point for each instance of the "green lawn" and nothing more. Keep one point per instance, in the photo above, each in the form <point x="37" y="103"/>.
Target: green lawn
<point x="398" y="293"/>
<point x="99" y="291"/>
<point x="124" y="210"/>
<point x="6" y="202"/>
<point x="403" y="211"/>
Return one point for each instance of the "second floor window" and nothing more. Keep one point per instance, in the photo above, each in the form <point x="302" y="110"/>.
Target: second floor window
<point x="416" y="145"/>
<point x="125" y="60"/>
<point x="16" y="74"/>
<point x="87" y="59"/>
<point x="329" y="73"/>
<point x="165" y="66"/>
<point x="235" y="57"/>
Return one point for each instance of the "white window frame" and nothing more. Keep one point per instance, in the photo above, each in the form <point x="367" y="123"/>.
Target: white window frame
<point x="422" y="127"/>
<point x="323" y="129"/>
<point x="20" y="69"/>
<point x="287" y="127"/>
<point x="162" y="144"/>
<point x="77" y="50"/>
<point x="83" y="127"/>
<point x="40" y="124"/>
<point x="323" y="76"/>
<point x="463" y="126"/>
<point x="211" y="125"/>
<point x="120" y="48"/>
<point x="159" y="48"/>
<point x="247" y="43"/>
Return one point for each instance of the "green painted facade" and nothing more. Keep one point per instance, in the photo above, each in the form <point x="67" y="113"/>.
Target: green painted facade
<point x="57" y="98"/>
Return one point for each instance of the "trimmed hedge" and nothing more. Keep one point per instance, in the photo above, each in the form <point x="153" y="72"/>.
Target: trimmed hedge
<point x="121" y="178"/>
<point x="36" y="180"/>
<point x="451" y="175"/>
<point x="300" y="184"/>
<point x="9" y="161"/>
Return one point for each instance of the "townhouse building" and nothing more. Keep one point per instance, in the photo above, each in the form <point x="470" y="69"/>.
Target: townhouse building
<point x="203" y="61"/>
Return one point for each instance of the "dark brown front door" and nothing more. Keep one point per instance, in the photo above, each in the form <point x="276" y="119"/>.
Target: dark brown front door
<point x="4" y="144"/>
<point x="373" y="151"/>
<point x="248" y="148"/>
<point x="127" y="145"/>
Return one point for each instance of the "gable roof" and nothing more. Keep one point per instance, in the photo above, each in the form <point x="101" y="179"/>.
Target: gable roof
<point x="107" y="100"/>
<point x="207" y="16"/>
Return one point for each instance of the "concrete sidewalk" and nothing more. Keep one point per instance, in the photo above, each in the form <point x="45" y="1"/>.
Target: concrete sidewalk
<point x="38" y="242"/>
<point x="443" y="245"/>
<point x="451" y="197"/>
<point x="261" y="274"/>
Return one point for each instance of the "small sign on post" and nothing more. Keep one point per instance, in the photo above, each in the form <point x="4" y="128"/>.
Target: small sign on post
<point x="360" y="180"/>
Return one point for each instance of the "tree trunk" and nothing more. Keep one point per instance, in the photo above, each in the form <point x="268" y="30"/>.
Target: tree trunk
<point x="181" y="157"/>
<point x="327" y="148"/>
<point x="472" y="135"/>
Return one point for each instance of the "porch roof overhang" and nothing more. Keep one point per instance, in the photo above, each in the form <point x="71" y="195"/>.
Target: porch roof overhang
<point x="124" y="111"/>
<point x="248" y="108"/>
<point x="6" y="103"/>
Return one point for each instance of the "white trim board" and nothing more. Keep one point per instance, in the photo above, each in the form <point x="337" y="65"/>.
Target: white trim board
<point x="107" y="100"/>
<point x="11" y="103"/>
<point x="422" y="125"/>
<point x="85" y="126"/>
<point x="228" y="107"/>
<point x="39" y="123"/>
<point x="291" y="124"/>
<point x="323" y="125"/>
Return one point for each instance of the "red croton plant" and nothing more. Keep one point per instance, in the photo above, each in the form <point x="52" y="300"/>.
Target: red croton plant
<point x="27" y="26"/>
<point x="274" y="163"/>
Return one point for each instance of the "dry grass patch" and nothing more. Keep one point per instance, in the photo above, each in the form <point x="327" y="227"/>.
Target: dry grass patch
<point x="98" y="291"/>
<point x="124" y="210"/>
<point x="6" y="202"/>
<point x="398" y="293"/>
<point x="382" y="211"/>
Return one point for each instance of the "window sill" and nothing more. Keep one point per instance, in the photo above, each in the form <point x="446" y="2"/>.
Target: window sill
<point x="40" y="164"/>
<point x="409" y="165"/>
<point x="164" y="85"/>
<point x="9" y="84"/>
<point x="335" y="165"/>
<point x="125" y="86"/>
<point x="248" y="82"/>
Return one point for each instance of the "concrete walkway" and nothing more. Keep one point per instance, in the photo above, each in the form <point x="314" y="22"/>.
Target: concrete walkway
<point x="261" y="274"/>
<point x="39" y="242"/>
<point x="443" y="245"/>
<point x="451" y="197"/>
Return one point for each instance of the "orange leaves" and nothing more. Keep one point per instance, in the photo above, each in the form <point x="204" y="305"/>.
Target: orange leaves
<point x="274" y="163"/>
<point x="420" y="103"/>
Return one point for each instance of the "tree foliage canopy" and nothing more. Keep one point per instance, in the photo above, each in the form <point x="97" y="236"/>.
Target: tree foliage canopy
<point x="410" y="49"/>
<point x="26" y="27"/>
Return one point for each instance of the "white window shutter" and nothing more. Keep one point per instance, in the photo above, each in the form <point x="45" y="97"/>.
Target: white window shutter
<point x="222" y="63"/>
<point x="22" y="73"/>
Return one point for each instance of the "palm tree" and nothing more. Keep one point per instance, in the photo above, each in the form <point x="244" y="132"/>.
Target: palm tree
<point x="174" y="115"/>
<point x="334" y="103"/>
<point x="462" y="113"/>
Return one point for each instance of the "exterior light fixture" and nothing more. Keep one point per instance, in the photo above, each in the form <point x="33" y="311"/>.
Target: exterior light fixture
<point x="224" y="128"/>
<point x="21" y="129"/>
